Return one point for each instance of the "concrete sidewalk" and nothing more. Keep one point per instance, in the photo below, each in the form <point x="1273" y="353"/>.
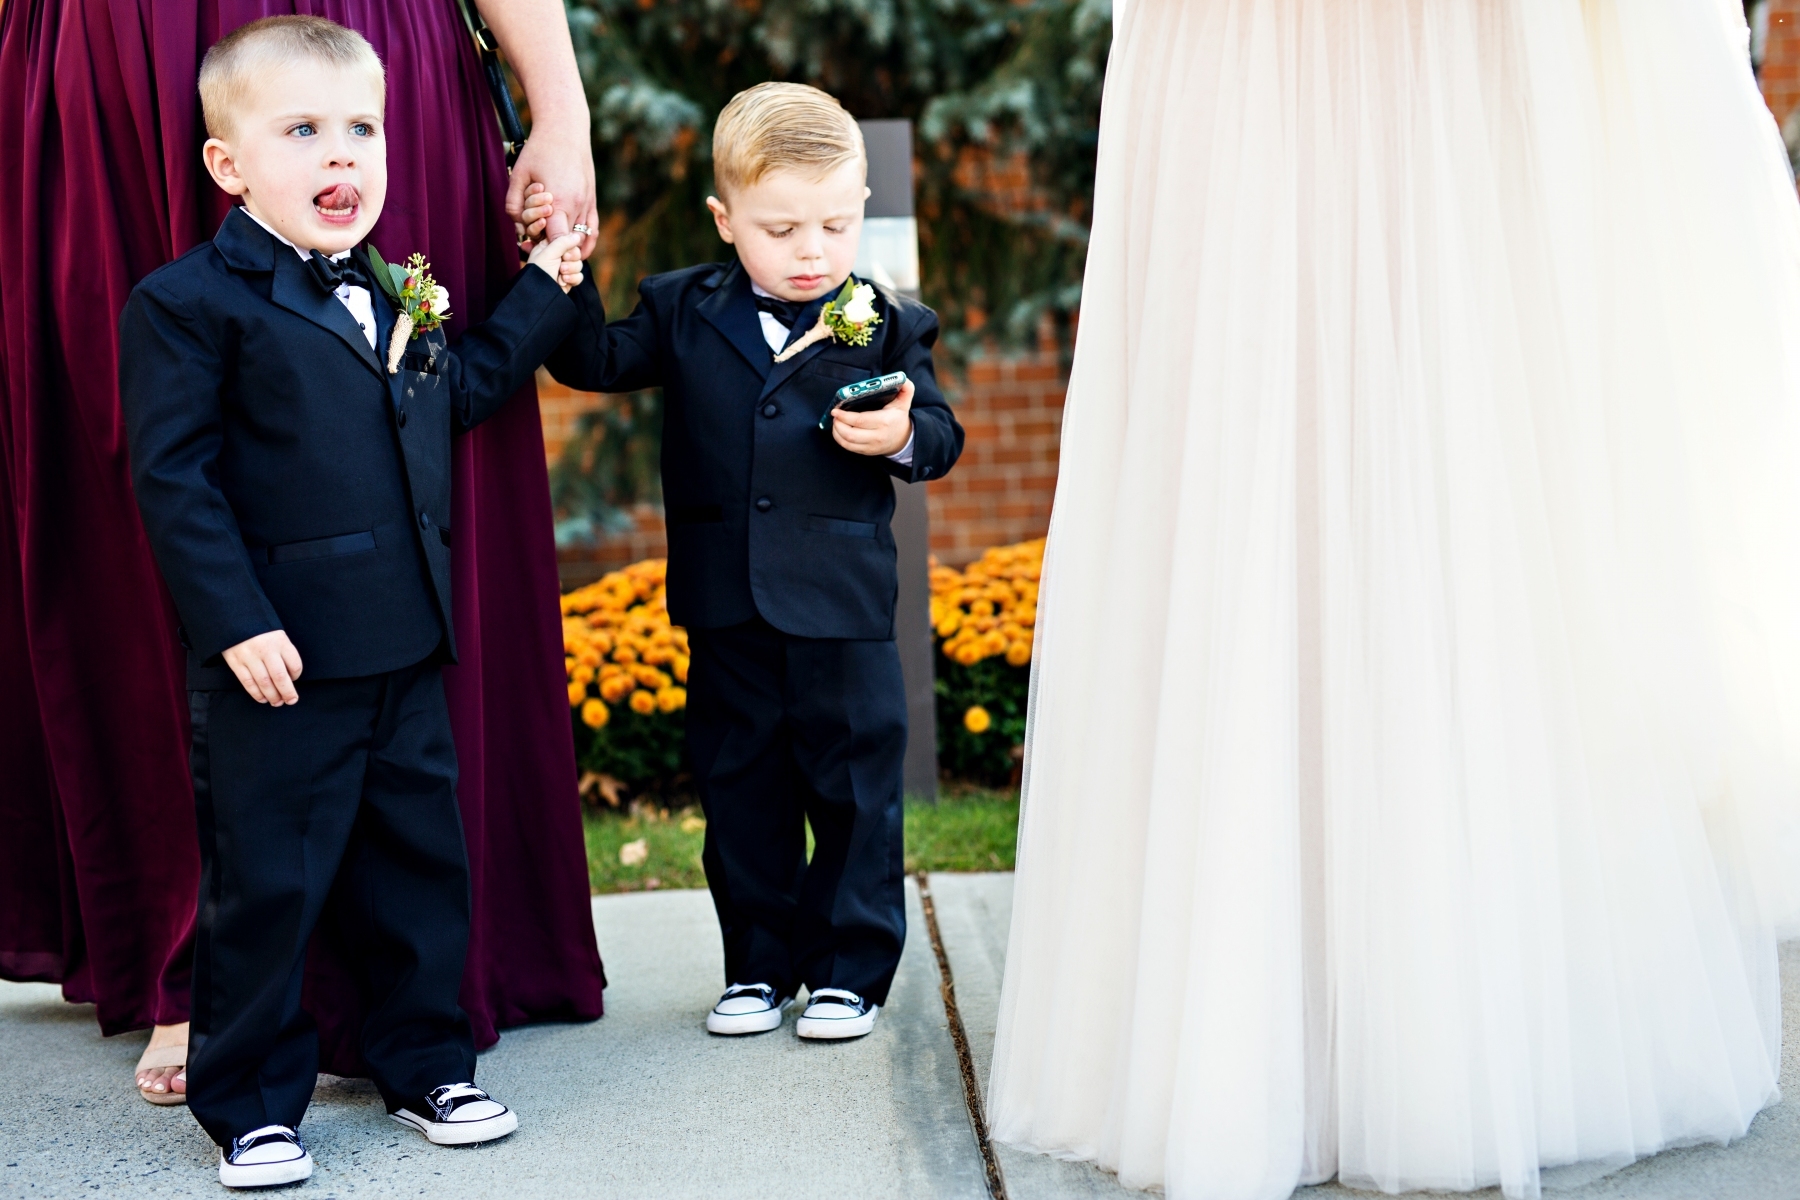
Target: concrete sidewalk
<point x="643" y="1105"/>
<point x="640" y="1104"/>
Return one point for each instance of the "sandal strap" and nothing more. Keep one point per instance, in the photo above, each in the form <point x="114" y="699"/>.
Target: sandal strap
<point x="163" y="1056"/>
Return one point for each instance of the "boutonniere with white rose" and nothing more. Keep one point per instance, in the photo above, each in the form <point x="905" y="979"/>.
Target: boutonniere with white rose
<point x="850" y="317"/>
<point x="419" y="300"/>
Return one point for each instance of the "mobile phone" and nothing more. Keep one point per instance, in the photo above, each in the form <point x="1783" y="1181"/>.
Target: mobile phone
<point x="865" y="395"/>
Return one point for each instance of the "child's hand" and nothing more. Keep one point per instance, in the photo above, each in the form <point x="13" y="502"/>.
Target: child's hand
<point x="539" y="204"/>
<point x="882" y="431"/>
<point x="560" y="258"/>
<point x="267" y="666"/>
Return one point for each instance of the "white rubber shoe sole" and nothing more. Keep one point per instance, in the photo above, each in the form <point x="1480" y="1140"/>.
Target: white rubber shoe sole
<point x="460" y="1133"/>
<point x="831" y="1028"/>
<point x="255" y="1175"/>
<point x="738" y="1024"/>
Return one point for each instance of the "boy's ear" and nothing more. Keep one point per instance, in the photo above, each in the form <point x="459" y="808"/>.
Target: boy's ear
<point x="223" y="168"/>
<point x="721" y="218"/>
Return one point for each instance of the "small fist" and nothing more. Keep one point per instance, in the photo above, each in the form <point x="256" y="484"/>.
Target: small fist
<point x="560" y="258"/>
<point x="882" y="431"/>
<point x="267" y="666"/>
<point x="535" y="216"/>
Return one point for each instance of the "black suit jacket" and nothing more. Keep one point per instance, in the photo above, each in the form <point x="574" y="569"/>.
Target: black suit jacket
<point x="767" y="514"/>
<point x="286" y="480"/>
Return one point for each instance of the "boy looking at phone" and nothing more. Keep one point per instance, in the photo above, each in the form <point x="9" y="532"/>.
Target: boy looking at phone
<point x="781" y="560"/>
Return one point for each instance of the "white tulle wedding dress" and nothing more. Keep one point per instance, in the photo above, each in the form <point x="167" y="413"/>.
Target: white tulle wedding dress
<point x="1415" y="734"/>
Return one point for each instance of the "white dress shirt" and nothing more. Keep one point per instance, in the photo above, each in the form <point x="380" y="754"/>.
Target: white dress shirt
<point x="776" y="334"/>
<point x="356" y="299"/>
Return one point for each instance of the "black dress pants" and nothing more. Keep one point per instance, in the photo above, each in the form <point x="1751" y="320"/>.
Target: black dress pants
<point x="341" y="808"/>
<point x="783" y="730"/>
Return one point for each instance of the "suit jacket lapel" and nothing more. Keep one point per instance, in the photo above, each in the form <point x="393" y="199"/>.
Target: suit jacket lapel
<point x="781" y="372"/>
<point x="294" y="288"/>
<point x="385" y="316"/>
<point x="732" y="312"/>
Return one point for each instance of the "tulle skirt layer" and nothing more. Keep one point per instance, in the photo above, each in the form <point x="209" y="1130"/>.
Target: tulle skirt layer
<point x="1415" y="744"/>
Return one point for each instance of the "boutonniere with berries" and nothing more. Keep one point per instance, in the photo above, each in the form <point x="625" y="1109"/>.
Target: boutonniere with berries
<point x="422" y="304"/>
<point x="850" y="317"/>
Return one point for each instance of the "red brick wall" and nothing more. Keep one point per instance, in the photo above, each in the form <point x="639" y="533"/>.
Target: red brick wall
<point x="559" y="406"/>
<point x="1780" y="74"/>
<point x="1000" y="491"/>
<point x="1781" y="62"/>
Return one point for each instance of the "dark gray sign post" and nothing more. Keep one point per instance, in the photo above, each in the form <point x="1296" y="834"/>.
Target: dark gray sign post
<point x="890" y="256"/>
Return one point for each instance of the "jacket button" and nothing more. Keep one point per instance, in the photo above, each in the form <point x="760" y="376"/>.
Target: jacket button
<point x="764" y="504"/>
<point x="424" y="520"/>
<point x="926" y="472"/>
<point x="770" y="410"/>
<point x="403" y="418"/>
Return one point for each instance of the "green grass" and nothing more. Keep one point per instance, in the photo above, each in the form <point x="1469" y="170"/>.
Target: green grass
<point x="968" y="829"/>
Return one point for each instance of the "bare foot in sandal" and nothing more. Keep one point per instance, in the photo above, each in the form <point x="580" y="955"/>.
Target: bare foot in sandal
<point x="162" y="1071"/>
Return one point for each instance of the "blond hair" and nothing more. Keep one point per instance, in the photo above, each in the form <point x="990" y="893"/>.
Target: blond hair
<point x="782" y="126"/>
<point x="250" y="51"/>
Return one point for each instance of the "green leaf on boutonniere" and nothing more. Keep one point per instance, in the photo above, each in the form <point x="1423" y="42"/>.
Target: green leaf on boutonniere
<point x="384" y="276"/>
<point x="853" y="328"/>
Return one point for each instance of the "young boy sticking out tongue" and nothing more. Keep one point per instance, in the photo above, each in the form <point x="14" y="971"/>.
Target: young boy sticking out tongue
<point x="290" y="402"/>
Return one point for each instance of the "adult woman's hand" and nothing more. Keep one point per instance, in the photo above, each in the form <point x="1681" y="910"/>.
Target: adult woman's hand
<point x="534" y="37"/>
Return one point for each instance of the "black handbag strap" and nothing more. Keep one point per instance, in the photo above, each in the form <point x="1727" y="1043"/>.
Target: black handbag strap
<point x="487" y="47"/>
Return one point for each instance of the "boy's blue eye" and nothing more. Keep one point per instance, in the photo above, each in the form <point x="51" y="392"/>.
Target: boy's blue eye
<point x="304" y="129"/>
<point x="363" y="129"/>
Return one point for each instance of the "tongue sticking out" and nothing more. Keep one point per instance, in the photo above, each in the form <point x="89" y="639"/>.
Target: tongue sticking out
<point x="339" y="200"/>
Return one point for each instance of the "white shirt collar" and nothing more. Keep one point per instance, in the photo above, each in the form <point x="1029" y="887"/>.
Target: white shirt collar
<point x="338" y="257"/>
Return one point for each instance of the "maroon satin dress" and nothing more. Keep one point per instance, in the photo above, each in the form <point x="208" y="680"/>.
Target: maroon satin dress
<point x="102" y="182"/>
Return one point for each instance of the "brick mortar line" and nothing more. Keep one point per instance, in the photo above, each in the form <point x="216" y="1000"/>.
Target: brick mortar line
<point x="996" y="1182"/>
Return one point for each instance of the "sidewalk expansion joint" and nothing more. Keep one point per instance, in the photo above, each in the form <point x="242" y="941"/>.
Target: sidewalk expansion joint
<point x="996" y="1182"/>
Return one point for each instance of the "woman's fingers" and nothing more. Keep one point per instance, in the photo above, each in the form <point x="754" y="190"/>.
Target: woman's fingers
<point x="591" y="219"/>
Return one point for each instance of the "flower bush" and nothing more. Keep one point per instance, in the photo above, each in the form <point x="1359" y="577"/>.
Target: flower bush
<point x="627" y="670"/>
<point x="983" y="621"/>
<point x="628" y="666"/>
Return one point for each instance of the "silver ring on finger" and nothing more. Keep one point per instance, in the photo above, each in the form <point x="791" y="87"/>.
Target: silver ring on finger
<point x="581" y="229"/>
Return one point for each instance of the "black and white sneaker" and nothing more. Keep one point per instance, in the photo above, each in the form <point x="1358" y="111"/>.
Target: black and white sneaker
<point x="836" y="1013"/>
<point x="457" y="1114"/>
<point x="747" y="1008"/>
<point x="265" y="1157"/>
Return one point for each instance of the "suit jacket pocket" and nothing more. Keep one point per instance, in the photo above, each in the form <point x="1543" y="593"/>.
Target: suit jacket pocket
<point x="857" y="529"/>
<point x="840" y="371"/>
<point x="325" y="547"/>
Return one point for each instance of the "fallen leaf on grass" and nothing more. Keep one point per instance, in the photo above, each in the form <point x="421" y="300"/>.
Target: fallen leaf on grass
<point x="605" y="786"/>
<point x="692" y="824"/>
<point x="634" y="854"/>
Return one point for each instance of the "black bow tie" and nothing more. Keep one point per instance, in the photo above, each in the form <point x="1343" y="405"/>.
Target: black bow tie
<point x="785" y="311"/>
<point x="333" y="275"/>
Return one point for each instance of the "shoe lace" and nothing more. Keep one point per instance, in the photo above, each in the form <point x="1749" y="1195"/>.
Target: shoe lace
<point x="831" y="995"/>
<point x="456" y="1091"/>
<point x="748" y="989"/>
<point x="257" y="1137"/>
